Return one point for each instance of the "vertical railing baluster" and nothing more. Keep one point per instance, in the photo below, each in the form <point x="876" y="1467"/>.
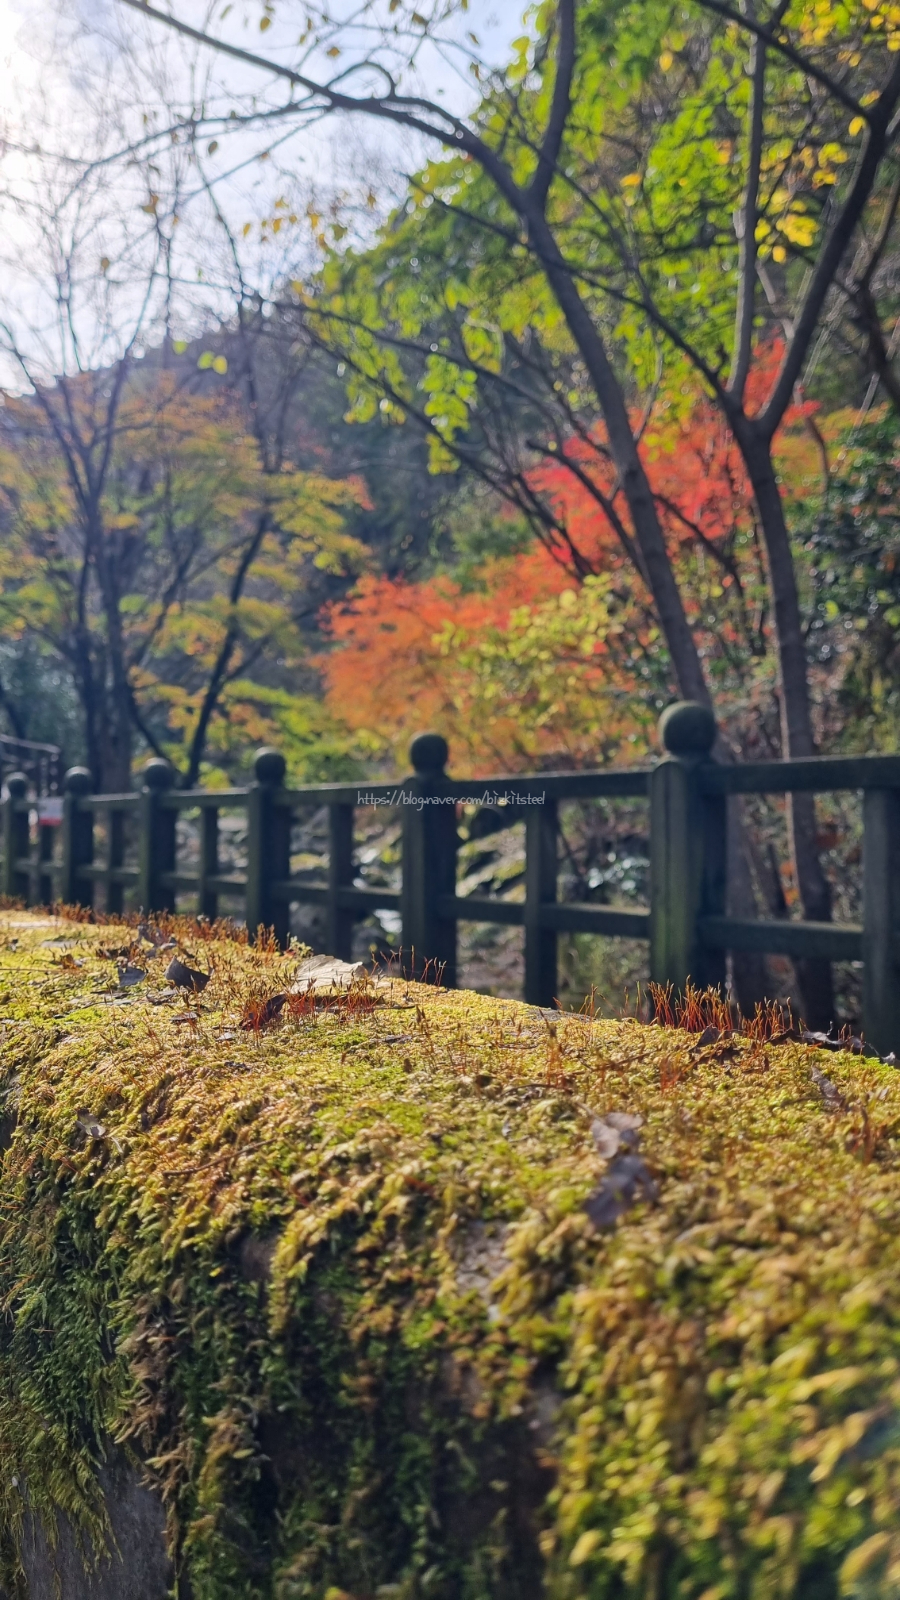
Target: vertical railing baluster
<point x="207" y="898"/>
<point x="46" y="835"/>
<point x="340" y="876"/>
<point x="268" y="847"/>
<point x="429" y="865"/>
<point x="156" y="840"/>
<point x="541" y="839"/>
<point x="77" y="839"/>
<point x="115" y="857"/>
<point x="16" y="881"/>
<point x="881" y="919"/>
<point x="687" y="852"/>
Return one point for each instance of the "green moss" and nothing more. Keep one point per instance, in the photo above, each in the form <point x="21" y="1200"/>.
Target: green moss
<point x="333" y="1283"/>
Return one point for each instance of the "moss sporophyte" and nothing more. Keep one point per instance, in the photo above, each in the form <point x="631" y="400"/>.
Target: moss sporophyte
<point x="340" y="1277"/>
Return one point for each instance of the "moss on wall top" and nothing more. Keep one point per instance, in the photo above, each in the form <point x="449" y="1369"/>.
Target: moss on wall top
<point x="394" y="1296"/>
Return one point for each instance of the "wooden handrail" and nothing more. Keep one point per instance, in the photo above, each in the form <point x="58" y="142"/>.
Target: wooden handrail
<point x="686" y="921"/>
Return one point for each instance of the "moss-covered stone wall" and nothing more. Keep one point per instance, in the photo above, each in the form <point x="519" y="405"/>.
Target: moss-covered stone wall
<point x="424" y="1294"/>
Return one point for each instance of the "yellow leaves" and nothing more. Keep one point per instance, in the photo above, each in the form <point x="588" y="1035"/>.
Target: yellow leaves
<point x="584" y="1547"/>
<point x="799" y="229"/>
<point x="796" y="1360"/>
<point x="666" y="60"/>
<point x="483" y="343"/>
<point x="631" y="184"/>
<point x="859" y="1562"/>
<point x="836" y="1381"/>
<point x="769" y="1489"/>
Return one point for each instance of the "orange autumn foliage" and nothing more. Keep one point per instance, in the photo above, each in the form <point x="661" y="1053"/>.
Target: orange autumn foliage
<point x="385" y="635"/>
<point x="529" y="670"/>
<point x="698" y="477"/>
<point x="512" y="676"/>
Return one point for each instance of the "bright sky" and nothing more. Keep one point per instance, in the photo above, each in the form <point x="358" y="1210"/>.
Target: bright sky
<point x="84" y="76"/>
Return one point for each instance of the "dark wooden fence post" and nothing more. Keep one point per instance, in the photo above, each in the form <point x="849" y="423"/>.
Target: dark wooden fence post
<point x="207" y="898"/>
<point x="339" y="933"/>
<point x="881" y="918"/>
<point x="46" y="833"/>
<point x="429" y="864"/>
<point x="156" y="841"/>
<point x="115" y="857"/>
<point x="541" y="828"/>
<point x="77" y="839"/>
<point x="687" y="852"/>
<point x="16" y="883"/>
<point x="268" y="847"/>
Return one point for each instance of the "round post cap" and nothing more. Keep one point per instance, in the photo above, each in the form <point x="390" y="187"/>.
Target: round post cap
<point x="78" y="780"/>
<point x="687" y="728"/>
<point x="429" y="753"/>
<point x="269" y="766"/>
<point x="17" y="785"/>
<point x="157" y="773"/>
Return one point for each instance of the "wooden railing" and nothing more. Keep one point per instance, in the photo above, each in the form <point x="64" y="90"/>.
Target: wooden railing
<point x="686" y="923"/>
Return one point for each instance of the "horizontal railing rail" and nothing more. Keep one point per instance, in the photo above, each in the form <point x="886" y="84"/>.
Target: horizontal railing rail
<point x="686" y="922"/>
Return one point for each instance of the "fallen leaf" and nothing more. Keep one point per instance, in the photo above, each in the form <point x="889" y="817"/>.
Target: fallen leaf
<point x="89" y="1125"/>
<point x="258" y="1014"/>
<point x="626" y="1177"/>
<point x="829" y="1091"/>
<point x="616" y="1131"/>
<point x="186" y="977"/>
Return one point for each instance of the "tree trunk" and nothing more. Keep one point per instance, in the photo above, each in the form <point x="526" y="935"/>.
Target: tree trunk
<point x="813" y="977"/>
<point x="648" y="533"/>
<point x="118" y="731"/>
<point x="748" y="972"/>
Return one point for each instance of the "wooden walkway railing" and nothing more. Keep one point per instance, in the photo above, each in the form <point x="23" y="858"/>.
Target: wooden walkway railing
<point x="686" y="922"/>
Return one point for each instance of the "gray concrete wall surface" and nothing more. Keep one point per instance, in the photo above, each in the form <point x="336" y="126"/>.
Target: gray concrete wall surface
<point x="138" y="1569"/>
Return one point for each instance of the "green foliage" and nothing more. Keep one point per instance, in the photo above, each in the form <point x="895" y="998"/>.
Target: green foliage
<point x="853" y="556"/>
<point x="38" y="699"/>
<point x="643" y="208"/>
<point x="191" y="548"/>
<point x="341" y="1292"/>
<point x="315" y="745"/>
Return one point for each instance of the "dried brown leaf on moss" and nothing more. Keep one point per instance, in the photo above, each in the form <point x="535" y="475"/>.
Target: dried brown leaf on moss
<point x="185" y="977"/>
